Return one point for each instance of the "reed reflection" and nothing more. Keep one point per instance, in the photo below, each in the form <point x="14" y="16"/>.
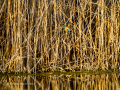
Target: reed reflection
<point x="61" y="82"/>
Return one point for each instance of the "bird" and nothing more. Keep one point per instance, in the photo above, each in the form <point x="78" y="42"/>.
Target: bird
<point x="66" y="29"/>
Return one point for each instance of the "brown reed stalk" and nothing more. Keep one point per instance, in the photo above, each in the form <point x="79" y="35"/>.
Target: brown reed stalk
<point x="28" y="42"/>
<point x="35" y="36"/>
<point x="7" y="32"/>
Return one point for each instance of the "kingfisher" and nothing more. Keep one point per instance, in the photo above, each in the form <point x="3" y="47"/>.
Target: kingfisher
<point x="66" y="29"/>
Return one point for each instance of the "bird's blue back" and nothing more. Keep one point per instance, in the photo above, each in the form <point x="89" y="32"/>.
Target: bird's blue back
<point x="67" y="31"/>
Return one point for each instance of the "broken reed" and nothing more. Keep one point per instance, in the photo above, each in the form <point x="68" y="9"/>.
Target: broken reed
<point x="32" y="38"/>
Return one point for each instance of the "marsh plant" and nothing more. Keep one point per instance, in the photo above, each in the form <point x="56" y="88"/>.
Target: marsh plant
<point x="32" y="36"/>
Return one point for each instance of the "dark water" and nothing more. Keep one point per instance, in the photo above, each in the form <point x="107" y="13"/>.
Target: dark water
<point x="61" y="82"/>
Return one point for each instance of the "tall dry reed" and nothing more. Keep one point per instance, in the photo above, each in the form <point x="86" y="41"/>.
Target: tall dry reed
<point x="32" y="38"/>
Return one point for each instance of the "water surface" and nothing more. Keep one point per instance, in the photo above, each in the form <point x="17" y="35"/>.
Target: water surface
<point x="75" y="81"/>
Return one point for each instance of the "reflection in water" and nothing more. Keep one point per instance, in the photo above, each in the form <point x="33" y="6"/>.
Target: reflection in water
<point x="61" y="82"/>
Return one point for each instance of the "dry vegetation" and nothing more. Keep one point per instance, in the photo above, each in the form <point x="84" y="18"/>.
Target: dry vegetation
<point x="32" y="38"/>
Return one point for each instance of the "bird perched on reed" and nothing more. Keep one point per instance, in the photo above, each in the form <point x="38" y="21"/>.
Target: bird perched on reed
<point x="66" y="29"/>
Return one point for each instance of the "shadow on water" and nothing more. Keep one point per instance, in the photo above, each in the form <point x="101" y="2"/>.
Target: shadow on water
<point x="69" y="81"/>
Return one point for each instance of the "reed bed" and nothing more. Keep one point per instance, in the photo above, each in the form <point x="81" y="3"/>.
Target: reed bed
<point x="32" y="37"/>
